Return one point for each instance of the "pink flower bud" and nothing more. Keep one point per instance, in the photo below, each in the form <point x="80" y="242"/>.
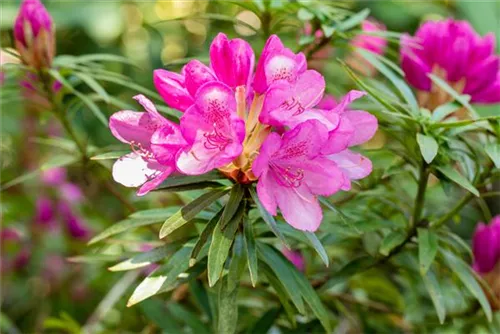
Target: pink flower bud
<point x="44" y="212"/>
<point x="34" y="34"/>
<point x="486" y="245"/>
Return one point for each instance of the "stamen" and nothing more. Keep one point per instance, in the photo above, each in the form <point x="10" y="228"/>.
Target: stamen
<point x="292" y="104"/>
<point x="216" y="139"/>
<point x="141" y="151"/>
<point x="289" y="177"/>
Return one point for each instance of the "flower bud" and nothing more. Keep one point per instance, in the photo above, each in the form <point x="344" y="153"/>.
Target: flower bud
<point x="34" y="34"/>
<point x="486" y="246"/>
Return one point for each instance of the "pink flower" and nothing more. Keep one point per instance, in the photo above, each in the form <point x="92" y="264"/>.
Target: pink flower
<point x="277" y="63"/>
<point x="231" y="62"/>
<point x="454" y="51"/>
<point x="14" y="255"/>
<point x="71" y="192"/>
<point x="154" y="142"/>
<point x="54" y="177"/>
<point x="34" y="34"/>
<point x="292" y="172"/>
<point x="295" y="257"/>
<point x="75" y="226"/>
<point x="486" y="245"/>
<point x="45" y="215"/>
<point x="372" y="43"/>
<point x="212" y="129"/>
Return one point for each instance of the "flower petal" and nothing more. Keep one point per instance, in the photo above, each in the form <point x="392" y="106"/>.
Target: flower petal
<point x="354" y="165"/>
<point x="155" y="182"/>
<point x="364" y="124"/>
<point x="265" y="191"/>
<point x="166" y="143"/>
<point x="196" y="75"/>
<point x="172" y="89"/>
<point x="132" y="126"/>
<point x="132" y="170"/>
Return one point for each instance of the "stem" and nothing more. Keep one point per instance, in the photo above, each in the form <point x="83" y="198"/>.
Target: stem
<point x="420" y="199"/>
<point x="436" y="224"/>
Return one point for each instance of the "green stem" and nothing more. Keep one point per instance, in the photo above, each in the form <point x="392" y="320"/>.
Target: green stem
<point x="420" y="199"/>
<point x="443" y="219"/>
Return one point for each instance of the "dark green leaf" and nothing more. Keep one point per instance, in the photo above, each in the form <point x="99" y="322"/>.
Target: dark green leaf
<point x="314" y="241"/>
<point x="354" y="20"/>
<point x="432" y="286"/>
<point x="391" y="241"/>
<point x="267" y="217"/>
<point x="190" y="319"/>
<point x="265" y="322"/>
<point x="110" y="155"/>
<point x="232" y="205"/>
<point x="347" y="271"/>
<point x="190" y="211"/>
<point x="205" y="234"/>
<point x="221" y="243"/>
<point x="466" y="275"/>
<point x="228" y="308"/>
<point x="428" y="147"/>
<point x="427" y="248"/>
<point x="92" y="83"/>
<point x="182" y="180"/>
<point x="156" y="312"/>
<point x="122" y="226"/>
<point x="451" y="173"/>
<point x="251" y="251"/>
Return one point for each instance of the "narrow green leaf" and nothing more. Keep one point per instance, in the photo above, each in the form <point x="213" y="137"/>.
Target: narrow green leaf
<point x="182" y="180"/>
<point x="251" y="251"/>
<point x="444" y="110"/>
<point x="396" y="80"/>
<point x="160" y="213"/>
<point x="314" y="241"/>
<point x="466" y="275"/>
<point x="452" y="174"/>
<point x="428" y="147"/>
<point x="353" y="20"/>
<point x="53" y="162"/>
<point x="268" y="219"/>
<point x="144" y="259"/>
<point x="189" y="318"/>
<point x="162" y="279"/>
<point x="347" y="271"/>
<point x="205" y="234"/>
<point x="122" y="226"/>
<point x="493" y="151"/>
<point x="94" y="85"/>
<point x="104" y="57"/>
<point x="391" y="241"/>
<point x="427" y="248"/>
<point x="200" y="296"/>
<point x="221" y="243"/>
<point x="453" y="93"/>
<point x="190" y="211"/>
<point x="228" y="308"/>
<point x="265" y="322"/>
<point x="155" y="311"/>
<point x="110" y="155"/>
<point x="238" y="262"/>
<point x="283" y="272"/>
<point x="232" y="205"/>
<point x="86" y="100"/>
<point x="95" y="258"/>
<point x="130" y="85"/>
<point x="432" y="285"/>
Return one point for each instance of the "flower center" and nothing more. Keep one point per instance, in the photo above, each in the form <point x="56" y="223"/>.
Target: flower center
<point x="289" y="177"/>
<point x="216" y="139"/>
<point x="291" y="104"/>
<point x="141" y="151"/>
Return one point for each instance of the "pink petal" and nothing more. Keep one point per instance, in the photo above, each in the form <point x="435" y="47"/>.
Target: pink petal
<point x="415" y="68"/>
<point x="299" y="207"/>
<point x="489" y="95"/>
<point x="166" y="143"/>
<point x="155" y="182"/>
<point x="340" y="137"/>
<point x="265" y="191"/>
<point x="171" y="87"/>
<point x="347" y="99"/>
<point x="132" y="170"/>
<point x="327" y="103"/>
<point x="232" y="60"/>
<point x="489" y="68"/>
<point x="196" y="75"/>
<point x="354" y="165"/>
<point x="301" y="143"/>
<point x="270" y="146"/>
<point x="132" y="126"/>
<point x="322" y="176"/>
<point x="365" y="125"/>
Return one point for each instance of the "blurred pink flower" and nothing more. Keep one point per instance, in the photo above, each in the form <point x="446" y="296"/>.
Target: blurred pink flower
<point x="295" y="257"/>
<point x="54" y="176"/>
<point x="34" y="34"/>
<point x="452" y="50"/>
<point x="75" y="226"/>
<point x="45" y="215"/>
<point x="486" y="245"/>
<point x="71" y="192"/>
<point x="14" y="254"/>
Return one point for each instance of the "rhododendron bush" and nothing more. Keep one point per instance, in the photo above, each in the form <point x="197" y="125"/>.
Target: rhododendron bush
<point x="249" y="167"/>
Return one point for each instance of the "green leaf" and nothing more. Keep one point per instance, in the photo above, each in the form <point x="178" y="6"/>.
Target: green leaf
<point x="354" y="20"/>
<point x="391" y="241"/>
<point x="156" y="312"/>
<point x="86" y="100"/>
<point x="283" y="272"/>
<point x="190" y="319"/>
<point x="52" y="162"/>
<point x="444" y="110"/>
<point x="160" y="213"/>
<point x="238" y="262"/>
<point x="144" y="259"/>
<point x="122" y="226"/>
<point x="95" y="258"/>
<point x="427" y="248"/>
<point x="453" y="93"/>
<point x="347" y="271"/>
<point x="466" y="275"/>
<point x="228" y="308"/>
<point x="92" y="83"/>
<point x="280" y="292"/>
<point x="493" y="151"/>
<point x="162" y="279"/>
<point x="452" y="174"/>
<point x="183" y="180"/>
<point x="251" y="251"/>
<point x="110" y="155"/>
<point x="190" y="211"/>
<point x="205" y="234"/>
<point x="221" y="243"/>
<point x="396" y="80"/>
<point x="428" y="147"/>
<point x="432" y="285"/>
<point x="318" y="247"/>
<point x="232" y="205"/>
<point x="264" y="323"/>
<point x="268" y="219"/>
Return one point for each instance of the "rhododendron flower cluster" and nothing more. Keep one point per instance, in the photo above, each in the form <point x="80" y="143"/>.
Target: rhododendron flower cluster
<point x="262" y="127"/>
<point x="453" y="51"/>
